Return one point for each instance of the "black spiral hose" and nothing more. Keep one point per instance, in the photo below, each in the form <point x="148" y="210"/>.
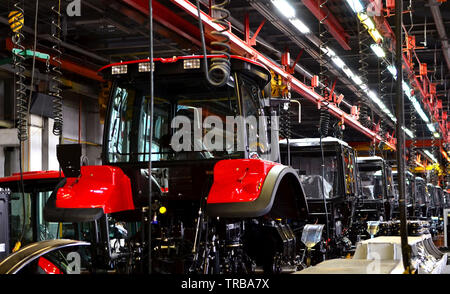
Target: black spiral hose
<point x="363" y="43"/>
<point x="324" y="123"/>
<point x="56" y="90"/>
<point x="324" y="40"/>
<point x="16" y="18"/>
<point x="219" y="72"/>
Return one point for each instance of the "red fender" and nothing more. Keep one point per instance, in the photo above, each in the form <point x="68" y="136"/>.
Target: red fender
<point x="248" y="188"/>
<point x="103" y="187"/>
<point x="238" y="180"/>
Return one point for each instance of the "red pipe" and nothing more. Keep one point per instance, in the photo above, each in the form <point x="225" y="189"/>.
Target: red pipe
<point x="169" y="19"/>
<point x="330" y="21"/>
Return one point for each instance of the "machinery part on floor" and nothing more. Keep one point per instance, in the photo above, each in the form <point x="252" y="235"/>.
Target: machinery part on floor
<point x="219" y="72"/>
<point x="56" y="88"/>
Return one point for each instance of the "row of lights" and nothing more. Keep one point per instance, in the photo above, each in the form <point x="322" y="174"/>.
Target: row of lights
<point x="358" y="8"/>
<point x="289" y="12"/>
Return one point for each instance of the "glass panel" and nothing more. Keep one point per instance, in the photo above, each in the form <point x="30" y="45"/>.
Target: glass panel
<point x="309" y="167"/>
<point x="190" y="98"/>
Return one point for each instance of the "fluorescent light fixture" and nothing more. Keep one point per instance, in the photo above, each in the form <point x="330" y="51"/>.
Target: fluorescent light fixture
<point x="431" y="128"/>
<point x="428" y="153"/>
<point x="408" y="132"/>
<point x="393" y="70"/>
<point x="328" y="51"/>
<point x="298" y="24"/>
<point x="378" y="50"/>
<point x="285" y="8"/>
<point x="339" y="62"/>
<point x="372" y="95"/>
<point x="376" y="36"/>
<point x="419" y="109"/>
<point x="357" y="80"/>
<point x="406" y="89"/>
<point x="356" y="5"/>
<point x="348" y="72"/>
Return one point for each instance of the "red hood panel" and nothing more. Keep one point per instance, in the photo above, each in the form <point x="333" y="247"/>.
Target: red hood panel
<point x="104" y="187"/>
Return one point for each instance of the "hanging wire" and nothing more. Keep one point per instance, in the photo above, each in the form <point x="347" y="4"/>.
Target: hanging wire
<point x="219" y="72"/>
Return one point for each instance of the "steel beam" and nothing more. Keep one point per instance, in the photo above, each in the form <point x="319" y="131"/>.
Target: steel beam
<point x="330" y="21"/>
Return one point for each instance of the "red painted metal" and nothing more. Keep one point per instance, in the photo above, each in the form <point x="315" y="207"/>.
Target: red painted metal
<point x="238" y="180"/>
<point x="251" y="41"/>
<point x="330" y="21"/>
<point x="240" y="47"/>
<point x="103" y="187"/>
<point x="32" y="175"/>
<point x="421" y="87"/>
<point x="169" y="19"/>
<point x="48" y="267"/>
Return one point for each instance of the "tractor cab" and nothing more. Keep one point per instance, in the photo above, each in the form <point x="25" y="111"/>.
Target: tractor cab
<point x="410" y="188"/>
<point x="331" y="191"/>
<point x="421" y="198"/>
<point x="376" y="188"/>
<point x="432" y="200"/>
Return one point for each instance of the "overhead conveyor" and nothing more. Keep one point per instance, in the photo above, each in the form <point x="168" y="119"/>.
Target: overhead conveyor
<point x="240" y="47"/>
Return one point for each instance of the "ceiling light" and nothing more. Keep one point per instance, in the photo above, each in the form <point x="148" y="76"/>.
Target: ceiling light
<point x="393" y="70"/>
<point x="300" y="25"/>
<point x="339" y="62"/>
<point x="431" y="128"/>
<point x="285" y="8"/>
<point x="378" y="50"/>
<point x="376" y="36"/>
<point x="436" y="135"/>
<point x="428" y="153"/>
<point x="356" y="5"/>
<point x="357" y="80"/>
<point x="408" y="132"/>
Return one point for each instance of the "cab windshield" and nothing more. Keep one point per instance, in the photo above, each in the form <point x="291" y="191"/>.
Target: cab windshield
<point x="189" y="117"/>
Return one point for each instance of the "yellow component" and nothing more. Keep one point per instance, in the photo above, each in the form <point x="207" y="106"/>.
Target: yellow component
<point x="17" y="246"/>
<point x="162" y="210"/>
<point x="278" y="86"/>
<point x="16" y="20"/>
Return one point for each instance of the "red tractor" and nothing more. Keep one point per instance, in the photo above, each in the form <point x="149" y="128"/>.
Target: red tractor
<point x="227" y="208"/>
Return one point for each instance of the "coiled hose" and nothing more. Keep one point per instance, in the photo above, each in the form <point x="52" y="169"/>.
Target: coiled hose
<point x="219" y="72"/>
<point x="16" y="22"/>
<point x="56" y="91"/>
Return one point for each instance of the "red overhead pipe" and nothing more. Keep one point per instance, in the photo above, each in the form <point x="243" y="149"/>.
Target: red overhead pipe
<point x="329" y="20"/>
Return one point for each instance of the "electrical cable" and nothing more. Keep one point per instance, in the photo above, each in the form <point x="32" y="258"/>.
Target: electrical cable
<point x="219" y="73"/>
<point x="152" y="97"/>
